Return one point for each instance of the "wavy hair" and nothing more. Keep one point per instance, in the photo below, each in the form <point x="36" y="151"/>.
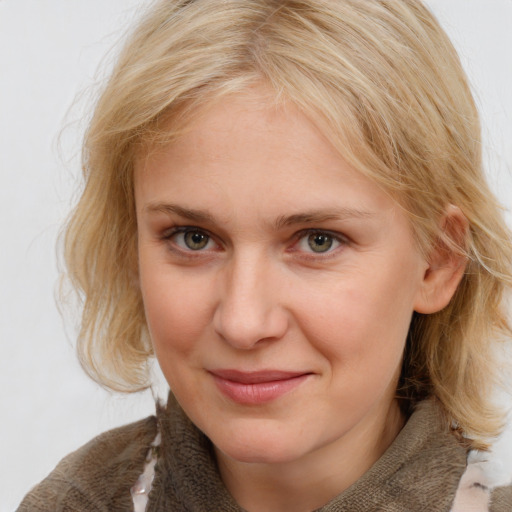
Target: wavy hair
<point x="385" y="85"/>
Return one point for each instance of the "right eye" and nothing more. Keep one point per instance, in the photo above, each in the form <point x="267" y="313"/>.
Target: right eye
<point x="191" y="239"/>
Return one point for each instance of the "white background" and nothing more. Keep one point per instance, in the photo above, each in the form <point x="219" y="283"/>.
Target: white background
<point x="49" y="53"/>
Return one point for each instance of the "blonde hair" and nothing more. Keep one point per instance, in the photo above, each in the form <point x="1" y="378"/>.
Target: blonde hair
<point x="384" y="84"/>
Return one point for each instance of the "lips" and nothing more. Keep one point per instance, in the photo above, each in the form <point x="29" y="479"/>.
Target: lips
<point x="253" y="388"/>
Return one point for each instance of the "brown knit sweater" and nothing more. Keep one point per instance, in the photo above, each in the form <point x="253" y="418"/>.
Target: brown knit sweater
<point x="419" y="472"/>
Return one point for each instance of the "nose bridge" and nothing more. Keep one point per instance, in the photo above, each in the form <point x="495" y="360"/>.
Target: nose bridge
<point x="249" y="309"/>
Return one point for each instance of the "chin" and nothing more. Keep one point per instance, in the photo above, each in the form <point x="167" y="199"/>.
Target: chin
<point x="261" y="445"/>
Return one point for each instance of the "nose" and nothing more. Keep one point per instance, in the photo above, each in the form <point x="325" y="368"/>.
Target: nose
<point x="249" y="310"/>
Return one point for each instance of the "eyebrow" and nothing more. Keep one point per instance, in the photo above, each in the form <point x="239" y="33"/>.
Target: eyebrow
<point x="186" y="213"/>
<point x="319" y="216"/>
<point x="308" y="217"/>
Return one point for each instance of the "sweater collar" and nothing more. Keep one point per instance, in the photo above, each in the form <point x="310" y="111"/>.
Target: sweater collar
<point x="419" y="471"/>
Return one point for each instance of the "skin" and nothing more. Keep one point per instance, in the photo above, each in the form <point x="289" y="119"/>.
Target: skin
<point x="252" y="182"/>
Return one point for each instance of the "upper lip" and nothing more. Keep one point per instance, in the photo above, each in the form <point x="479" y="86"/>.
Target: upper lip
<point x="256" y="377"/>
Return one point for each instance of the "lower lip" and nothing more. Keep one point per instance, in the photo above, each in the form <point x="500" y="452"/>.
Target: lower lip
<point x="257" y="393"/>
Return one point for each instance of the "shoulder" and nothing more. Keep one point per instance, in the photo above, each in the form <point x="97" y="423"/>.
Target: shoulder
<point x="501" y="499"/>
<point x="98" y="476"/>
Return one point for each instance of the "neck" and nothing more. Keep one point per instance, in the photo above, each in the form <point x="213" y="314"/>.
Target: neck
<point x="313" y="480"/>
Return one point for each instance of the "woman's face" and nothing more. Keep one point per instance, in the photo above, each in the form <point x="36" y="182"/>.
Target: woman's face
<point x="278" y="283"/>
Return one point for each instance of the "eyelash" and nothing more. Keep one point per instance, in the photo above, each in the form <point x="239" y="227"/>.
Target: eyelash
<point x="302" y="236"/>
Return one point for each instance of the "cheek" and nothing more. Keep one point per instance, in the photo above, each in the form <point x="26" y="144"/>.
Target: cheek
<point x="361" y="323"/>
<point x="176" y="311"/>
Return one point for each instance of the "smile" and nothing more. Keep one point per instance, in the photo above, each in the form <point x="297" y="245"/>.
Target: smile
<point x="253" y="388"/>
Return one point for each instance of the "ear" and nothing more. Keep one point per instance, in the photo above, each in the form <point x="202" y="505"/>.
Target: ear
<point x="446" y="263"/>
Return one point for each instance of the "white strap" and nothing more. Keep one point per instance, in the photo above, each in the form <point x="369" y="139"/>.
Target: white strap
<point x="140" y="491"/>
<point x="474" y="491"/>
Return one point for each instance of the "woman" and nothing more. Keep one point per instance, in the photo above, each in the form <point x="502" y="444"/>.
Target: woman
<point x="284" y="202"/>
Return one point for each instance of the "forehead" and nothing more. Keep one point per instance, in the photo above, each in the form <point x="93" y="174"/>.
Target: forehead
<point x="220" y="125"/>
<point x="245" y="145"/>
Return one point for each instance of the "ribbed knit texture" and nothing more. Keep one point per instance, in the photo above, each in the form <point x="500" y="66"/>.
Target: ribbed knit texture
<point x="501" y="500"/>
<point x="419" y="472"/>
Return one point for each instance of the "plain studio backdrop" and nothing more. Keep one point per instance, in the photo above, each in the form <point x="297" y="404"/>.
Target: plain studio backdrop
<point x="50" y="51"/>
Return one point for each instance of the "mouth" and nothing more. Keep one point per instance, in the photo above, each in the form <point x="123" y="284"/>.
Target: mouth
<point x="253" y="388"/>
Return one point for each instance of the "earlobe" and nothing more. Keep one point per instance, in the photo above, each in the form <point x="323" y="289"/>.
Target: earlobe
<point x="446" y="263"/>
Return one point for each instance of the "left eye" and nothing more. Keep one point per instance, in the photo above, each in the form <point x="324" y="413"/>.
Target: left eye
<point x="318" y="242"/>
<point x="193" y="240"/>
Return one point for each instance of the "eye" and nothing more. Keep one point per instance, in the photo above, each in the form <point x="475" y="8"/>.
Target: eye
<point x="319" y="242"/>
<point x="191" y="239"/>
